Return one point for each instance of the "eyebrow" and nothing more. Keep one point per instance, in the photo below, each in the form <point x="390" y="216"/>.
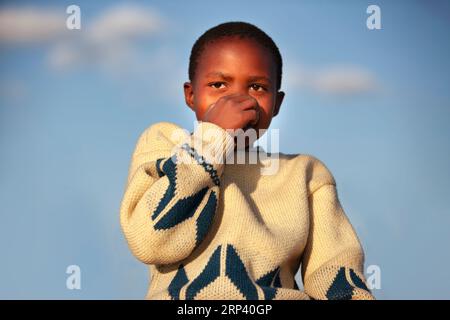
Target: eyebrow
<point x="228" y="77"/>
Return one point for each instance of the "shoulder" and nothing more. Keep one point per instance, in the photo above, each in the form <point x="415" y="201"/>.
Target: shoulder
<point x="314" y="171"/>
<point x="159" y="130"/>
<point x="160" y="136"/>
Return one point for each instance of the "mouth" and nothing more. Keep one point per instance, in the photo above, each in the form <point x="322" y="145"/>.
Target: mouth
<point x="250" y="126"/>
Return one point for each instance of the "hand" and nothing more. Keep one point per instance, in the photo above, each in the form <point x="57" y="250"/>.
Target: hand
<point x="233" y="112"/>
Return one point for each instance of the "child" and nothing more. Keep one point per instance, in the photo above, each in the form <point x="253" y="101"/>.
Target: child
<point x="210" y="229"/>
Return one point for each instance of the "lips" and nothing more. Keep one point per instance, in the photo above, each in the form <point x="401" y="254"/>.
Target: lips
<point x="250" y="126"/>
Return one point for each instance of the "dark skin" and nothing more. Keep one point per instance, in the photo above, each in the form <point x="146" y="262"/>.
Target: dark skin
<point x="235" y="85"/>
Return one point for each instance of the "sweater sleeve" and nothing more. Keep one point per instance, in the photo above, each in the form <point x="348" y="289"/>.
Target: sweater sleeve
<point x="333" y="260"/>
<point x="172" y="191"/>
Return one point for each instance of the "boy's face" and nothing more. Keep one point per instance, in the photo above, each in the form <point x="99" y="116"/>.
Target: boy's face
<point x="232" y="65"/>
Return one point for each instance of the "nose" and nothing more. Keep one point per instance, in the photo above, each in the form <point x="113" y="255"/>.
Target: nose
<point x="240" y="89"/>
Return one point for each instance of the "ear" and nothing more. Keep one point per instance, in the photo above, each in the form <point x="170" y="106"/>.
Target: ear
<point x="189" y="95"/>
<point x="278" y="102"/>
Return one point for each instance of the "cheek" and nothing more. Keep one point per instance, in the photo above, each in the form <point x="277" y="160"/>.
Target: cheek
<point x="201" y="103"/>
<point x="265" y="117"/>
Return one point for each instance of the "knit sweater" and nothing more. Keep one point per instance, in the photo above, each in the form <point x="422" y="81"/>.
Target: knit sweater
<point x="212" y="229"/>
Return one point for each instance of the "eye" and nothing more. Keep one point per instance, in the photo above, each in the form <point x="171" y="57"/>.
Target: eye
<point x="257" y="87"/>
<point x="217" y="85"/>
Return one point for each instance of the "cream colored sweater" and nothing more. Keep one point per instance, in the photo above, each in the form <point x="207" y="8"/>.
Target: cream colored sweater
<point x="212" y="229"/>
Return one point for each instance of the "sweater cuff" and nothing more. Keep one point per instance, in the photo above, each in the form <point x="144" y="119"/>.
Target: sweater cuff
<point x="211" y="144"/>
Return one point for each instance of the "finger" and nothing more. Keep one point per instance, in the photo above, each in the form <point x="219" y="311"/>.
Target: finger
<point x="238" y="98"/>
<point x="249" y="104"/>
<point x="211" y="106"/>
<point x="235" y="97"/>
<point x="250" y="116"/>
<point x="258" y="112"/>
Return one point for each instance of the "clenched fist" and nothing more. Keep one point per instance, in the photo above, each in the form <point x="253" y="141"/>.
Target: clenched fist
<point x="235" y="111"/>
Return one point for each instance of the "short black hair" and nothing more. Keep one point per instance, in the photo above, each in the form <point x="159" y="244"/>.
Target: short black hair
<point x="230" y="29"/>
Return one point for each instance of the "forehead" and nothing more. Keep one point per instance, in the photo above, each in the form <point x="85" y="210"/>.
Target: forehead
<point x="236" y="56"/>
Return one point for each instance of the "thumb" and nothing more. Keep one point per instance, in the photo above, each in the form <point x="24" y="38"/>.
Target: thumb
<point x="258" y="111"/>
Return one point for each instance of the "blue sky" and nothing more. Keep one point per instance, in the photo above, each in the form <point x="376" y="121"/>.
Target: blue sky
<point x="373" y="105"/>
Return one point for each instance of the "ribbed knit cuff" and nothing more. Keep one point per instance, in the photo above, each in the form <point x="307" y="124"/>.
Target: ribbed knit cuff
<point x="212" y="144"/>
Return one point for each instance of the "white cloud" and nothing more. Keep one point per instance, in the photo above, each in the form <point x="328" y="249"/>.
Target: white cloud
<point x="117" y="42"/>
<point x="30" y="25"/>
<point x="125" y="22"/>
<point x="342" y="80"/>
<point x="78" y="53"/>
<point x="109" y="41"/>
